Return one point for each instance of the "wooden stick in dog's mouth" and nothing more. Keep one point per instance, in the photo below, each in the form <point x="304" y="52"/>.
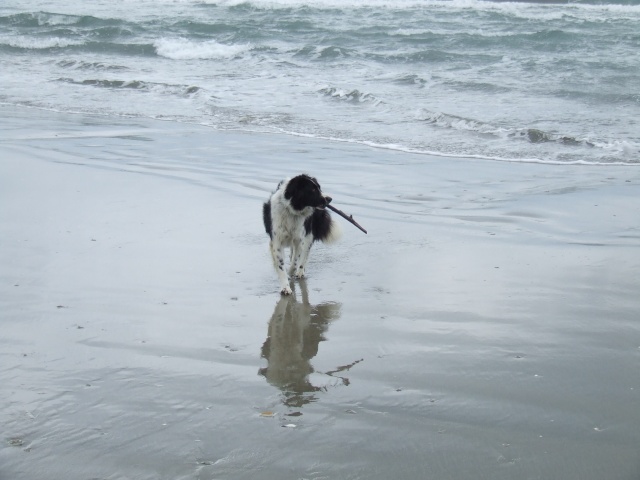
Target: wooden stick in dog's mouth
<point x="348" y="218"/>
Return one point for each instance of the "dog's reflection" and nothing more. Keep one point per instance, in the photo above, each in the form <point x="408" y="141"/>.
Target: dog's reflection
<point x="295" y="331"/>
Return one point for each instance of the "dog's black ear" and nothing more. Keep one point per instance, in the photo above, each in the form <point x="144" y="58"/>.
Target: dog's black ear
<point x="314" y="181"/>
<point x="293" y="186"/>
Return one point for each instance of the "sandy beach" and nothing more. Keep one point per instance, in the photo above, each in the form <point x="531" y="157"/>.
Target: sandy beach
<point x="487" y="327"/>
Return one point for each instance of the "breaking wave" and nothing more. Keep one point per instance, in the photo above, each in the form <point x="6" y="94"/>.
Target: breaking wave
<point x="183" y="49"/>
<point x="34" y="43"/>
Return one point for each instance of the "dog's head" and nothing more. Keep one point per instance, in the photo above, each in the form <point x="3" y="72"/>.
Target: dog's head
<point x="304" y="191"/>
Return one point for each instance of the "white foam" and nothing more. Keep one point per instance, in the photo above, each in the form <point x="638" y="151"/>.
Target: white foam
<point x="38" y="43"/>
<point x="620" y="147"/>
<point x="183" y="49"/>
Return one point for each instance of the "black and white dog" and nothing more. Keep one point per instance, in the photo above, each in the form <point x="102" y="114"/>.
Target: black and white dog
<point x="295" y="216"/>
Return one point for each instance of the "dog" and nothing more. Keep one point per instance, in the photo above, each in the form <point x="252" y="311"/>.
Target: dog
<point x="295" y="216"/>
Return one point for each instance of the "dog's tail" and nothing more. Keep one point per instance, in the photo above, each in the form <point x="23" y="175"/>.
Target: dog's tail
<point x="323" y="227"/>
<point x="334" y="234"/>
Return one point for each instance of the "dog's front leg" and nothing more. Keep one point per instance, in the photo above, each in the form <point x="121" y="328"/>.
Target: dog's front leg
<point x="302" y="255"/>
<point x="277" y="253"/>
<point x="295" y="254"/>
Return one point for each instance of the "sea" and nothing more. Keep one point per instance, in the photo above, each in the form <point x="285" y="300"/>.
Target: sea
<point x="547" y="81"/>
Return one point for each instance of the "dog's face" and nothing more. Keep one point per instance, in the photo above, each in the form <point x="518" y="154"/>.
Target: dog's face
<point x="304" y="191"/>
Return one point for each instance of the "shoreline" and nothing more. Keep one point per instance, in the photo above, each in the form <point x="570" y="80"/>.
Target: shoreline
<point x="484" y="328"/>
<point x="397" y="149"/>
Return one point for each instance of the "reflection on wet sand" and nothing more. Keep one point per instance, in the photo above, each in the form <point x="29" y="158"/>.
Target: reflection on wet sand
<point x="295" y="331"/>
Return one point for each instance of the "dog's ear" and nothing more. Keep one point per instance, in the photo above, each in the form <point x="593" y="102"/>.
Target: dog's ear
<point x="314" y="181"/>
<point x="294" y="185"/>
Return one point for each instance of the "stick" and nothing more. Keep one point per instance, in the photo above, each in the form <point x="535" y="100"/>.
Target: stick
<point x="349" y="218"/>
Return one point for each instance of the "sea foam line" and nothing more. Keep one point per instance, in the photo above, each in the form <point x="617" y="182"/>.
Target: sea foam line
<point x="415" y="151"/>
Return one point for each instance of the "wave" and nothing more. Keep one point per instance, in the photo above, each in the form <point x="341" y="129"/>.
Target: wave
<point x="528" y="134"/>
<point x="181" y="90"/>
<point x="36" y="43"/>
<point x="183" y="49"/>
<point x="49" y="19"/>
<point x="410" y="79"/>
<point x="175" y="49"/>
<point x="352" y="96"/>
<point x="451" y="121"/>
<point x="582" y="10"/>
<point x="38" y="19"/>
<point x="82" y="65"/>
<point x="327" y="52"/>
<point x="596" y="11"/>
<point x="407" y="4"/>
<point x="540" y="9"/>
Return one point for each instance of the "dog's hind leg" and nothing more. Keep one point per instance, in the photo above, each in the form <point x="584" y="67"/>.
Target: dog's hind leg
<point x="277" y="254"/>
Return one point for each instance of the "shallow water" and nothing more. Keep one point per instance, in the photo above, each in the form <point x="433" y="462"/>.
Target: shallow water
<point x="485" y="328"/>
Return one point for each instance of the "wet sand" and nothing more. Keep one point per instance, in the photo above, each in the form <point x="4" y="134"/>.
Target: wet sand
<point x="486" y="328"/>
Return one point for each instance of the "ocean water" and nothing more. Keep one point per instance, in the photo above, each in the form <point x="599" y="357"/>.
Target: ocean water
<point x="551" y="82"/>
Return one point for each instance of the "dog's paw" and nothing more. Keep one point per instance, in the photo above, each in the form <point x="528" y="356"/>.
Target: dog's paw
<point x="298" y="273"/>
<point x="286" y="290"/>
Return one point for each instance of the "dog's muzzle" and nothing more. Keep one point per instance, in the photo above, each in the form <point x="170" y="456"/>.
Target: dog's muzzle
<point x="327" y="200"/>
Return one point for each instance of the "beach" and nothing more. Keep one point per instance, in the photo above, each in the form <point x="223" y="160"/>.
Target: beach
<point x="486" y="327"/>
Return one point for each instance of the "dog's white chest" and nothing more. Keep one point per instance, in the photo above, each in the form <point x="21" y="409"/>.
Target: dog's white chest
<point x="287" y="225"/>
